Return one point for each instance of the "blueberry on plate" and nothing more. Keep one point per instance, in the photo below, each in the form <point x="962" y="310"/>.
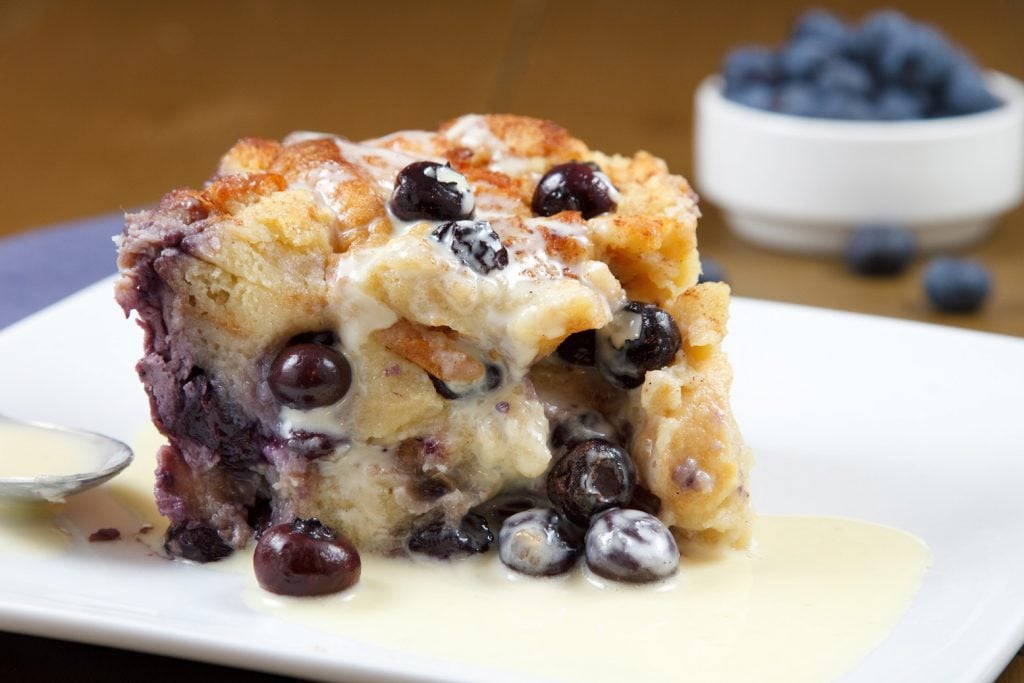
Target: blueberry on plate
<point x="305" y="557"/>
<point x="956" y="285"/>
<point x="195" y="541"/>
<point x="631" y="546"/>
<point x="880" y="250"/>
<point x="441" y="540"/>
<point x="538" y="542"/>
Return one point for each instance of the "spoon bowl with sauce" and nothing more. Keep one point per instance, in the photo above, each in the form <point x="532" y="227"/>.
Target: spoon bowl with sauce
<point x="41" y="461"/>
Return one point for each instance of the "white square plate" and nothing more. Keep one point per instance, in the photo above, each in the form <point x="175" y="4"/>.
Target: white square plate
<point x="913" y="426"/>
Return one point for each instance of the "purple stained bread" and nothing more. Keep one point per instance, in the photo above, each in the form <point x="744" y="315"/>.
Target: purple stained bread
<point x="390" y="336"/>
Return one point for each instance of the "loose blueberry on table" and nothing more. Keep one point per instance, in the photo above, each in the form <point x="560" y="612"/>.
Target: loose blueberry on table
<point x="880" y="250"/>
<point x="956" y="285"/>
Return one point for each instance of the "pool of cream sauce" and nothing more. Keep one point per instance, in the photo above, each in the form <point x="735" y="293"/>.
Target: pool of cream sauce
<point x="810" y="598"/>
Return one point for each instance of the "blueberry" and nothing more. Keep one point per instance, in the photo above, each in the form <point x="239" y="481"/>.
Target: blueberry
<point x="507" y="503"/>
<point x="578" y="348"/>
<point x="592" y="476"/>
<point x="957" y="285"/>
<point x="574" y="186"/>
<point x="309" y="375"/>
<point x="442" y="540"/>
<point x="195" y="541"/>
<point x="305" y="558"/>
<point x="916" y="55"/>
<point x="799" y="99"/>
<point x="711" y="271"/>
<point x="491" y="379"/>
<point x="965" y="92"/>
<point x="426" y="190"/>
<point x="631" y="546"/>
<point x="878" y="30"/>
<point x="802" y="58"/>
<point x="896" y="103"/>
<point x="576" y="426"/>
<point x="639" y="338"/>
<point x="844" y="75"/>
<point x="474" y="244"/>
<point x="538" y="542"/>
<point x="644" y="499"/>
<point x="324" y="337"/>
<point x="880" y="250"/>
<point x="750" y="64"/>
<point x="847" y="106"/>
<point x="756" y="95"/>
<point x="823" y="25"/>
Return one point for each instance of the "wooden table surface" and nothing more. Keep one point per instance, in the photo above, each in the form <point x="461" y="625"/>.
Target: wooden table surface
<point x="108" y="105"/>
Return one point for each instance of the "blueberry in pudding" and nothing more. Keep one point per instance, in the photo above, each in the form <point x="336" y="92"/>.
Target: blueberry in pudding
<point x="431" y="191"/>
<point x="574" y="187"/>
<point x="435" y="344"/>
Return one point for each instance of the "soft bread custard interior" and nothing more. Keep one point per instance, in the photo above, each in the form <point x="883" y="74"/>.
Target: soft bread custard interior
<point x="295" y="237"/>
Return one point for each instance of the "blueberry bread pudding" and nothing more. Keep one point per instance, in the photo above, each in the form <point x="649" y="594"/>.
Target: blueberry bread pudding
<point x="436" y="343"/>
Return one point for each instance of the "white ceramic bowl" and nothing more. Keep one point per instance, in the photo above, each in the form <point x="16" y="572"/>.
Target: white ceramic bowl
<point x="803" y="184"/>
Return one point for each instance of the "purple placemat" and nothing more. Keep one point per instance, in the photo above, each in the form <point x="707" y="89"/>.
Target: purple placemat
<point x="42" y="267"/>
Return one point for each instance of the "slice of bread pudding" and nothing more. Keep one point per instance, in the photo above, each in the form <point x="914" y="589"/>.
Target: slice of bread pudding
<point x="400" y="336"/>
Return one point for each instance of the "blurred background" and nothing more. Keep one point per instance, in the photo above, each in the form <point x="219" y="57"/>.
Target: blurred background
<point x="108" y="105"/>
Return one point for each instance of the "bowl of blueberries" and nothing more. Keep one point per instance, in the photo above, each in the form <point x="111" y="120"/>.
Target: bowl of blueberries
<point x="881" y="122"/>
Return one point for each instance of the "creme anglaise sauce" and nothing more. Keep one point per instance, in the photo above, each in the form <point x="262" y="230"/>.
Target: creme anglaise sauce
<point x="28" y="451"/>
<point x="810" y="599"/>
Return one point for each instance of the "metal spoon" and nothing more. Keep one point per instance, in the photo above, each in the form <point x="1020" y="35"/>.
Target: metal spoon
<point x="108" y="457"/>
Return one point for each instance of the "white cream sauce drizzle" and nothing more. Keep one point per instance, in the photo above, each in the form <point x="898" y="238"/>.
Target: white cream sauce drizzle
<point x="812" y="598"/>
